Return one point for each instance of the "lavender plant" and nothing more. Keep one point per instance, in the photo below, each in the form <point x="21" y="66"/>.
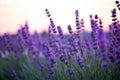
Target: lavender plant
<point x="63" y="57"/>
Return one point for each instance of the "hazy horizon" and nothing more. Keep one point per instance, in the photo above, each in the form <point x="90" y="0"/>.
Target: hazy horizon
<point x="14" y="13"/>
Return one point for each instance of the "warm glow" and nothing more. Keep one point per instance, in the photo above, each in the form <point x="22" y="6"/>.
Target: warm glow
<point x="16" y="12"/>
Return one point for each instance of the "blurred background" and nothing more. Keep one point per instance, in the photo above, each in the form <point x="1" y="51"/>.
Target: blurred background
<point x="14" y="13"/>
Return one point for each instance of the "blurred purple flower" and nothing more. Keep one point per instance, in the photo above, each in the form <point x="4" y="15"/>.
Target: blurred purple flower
<point x="51" y="68"/>
<point x="60" y="31"/>
<point x="111" y="58"/>
<point x="79" y="61"/>
<point x="14" y="74"/>
<point x="104" y="64"/>
<point x="52" y="24"/>
<point x="40" y="66"/>
<point x="118" y="60"/>
<point x="70" y="29"/>
<point x="70" y="72"/>
<point x="48" y="13"/>
<point x="117" y="4"/>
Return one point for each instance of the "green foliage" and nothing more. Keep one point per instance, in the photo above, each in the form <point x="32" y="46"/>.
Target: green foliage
<point x="25" y="70"/>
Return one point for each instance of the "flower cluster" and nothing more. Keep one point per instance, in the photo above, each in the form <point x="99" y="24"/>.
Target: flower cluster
<point x="69" y="57"/>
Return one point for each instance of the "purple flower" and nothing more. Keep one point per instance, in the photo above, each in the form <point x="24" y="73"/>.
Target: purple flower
<point x="95" y="40"/>
<point x="100" y="23"/>
<point x="77" y="21"/>
<point x="7" y="42"/>
<point x="79" y="61"/>
<point x="51" y="58"/>
<point x="70" y="72"/>
<point x="118" y="60"/>
<point x="38" y="39"/>
<point x="117" y="4"/>
<point x="66" y="61"/>
<point x="104" y="64"/>
<point x="49" y="78"/>
<point x="40" y="66"/>
<point x="51" y="68"/>
<point x="92" y="21"/>
<point x="114" y="15"/>
<point x="63" y="58"/>
<point x="102" y="41"/>
<point x="111" y="58"/>
<point x="115" y="32"/>
<point x="82" y="24"/>
<point x="60" y="31"/>
<point x="70" y="29"/>
<point x="52" y="25"/>
<point x="47" y="12"/>
<point x="103" y="55"/>
<point x="95" y="27"/>
<point x="14" y="74"/>
<point x="96" y="16"/>
<point x="24" y="36"/>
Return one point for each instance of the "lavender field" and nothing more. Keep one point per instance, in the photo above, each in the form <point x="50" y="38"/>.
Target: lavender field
<point x="55" y="56"/>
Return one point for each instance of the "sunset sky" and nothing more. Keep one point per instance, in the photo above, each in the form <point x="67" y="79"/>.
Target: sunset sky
<point x="13" y="13"/>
